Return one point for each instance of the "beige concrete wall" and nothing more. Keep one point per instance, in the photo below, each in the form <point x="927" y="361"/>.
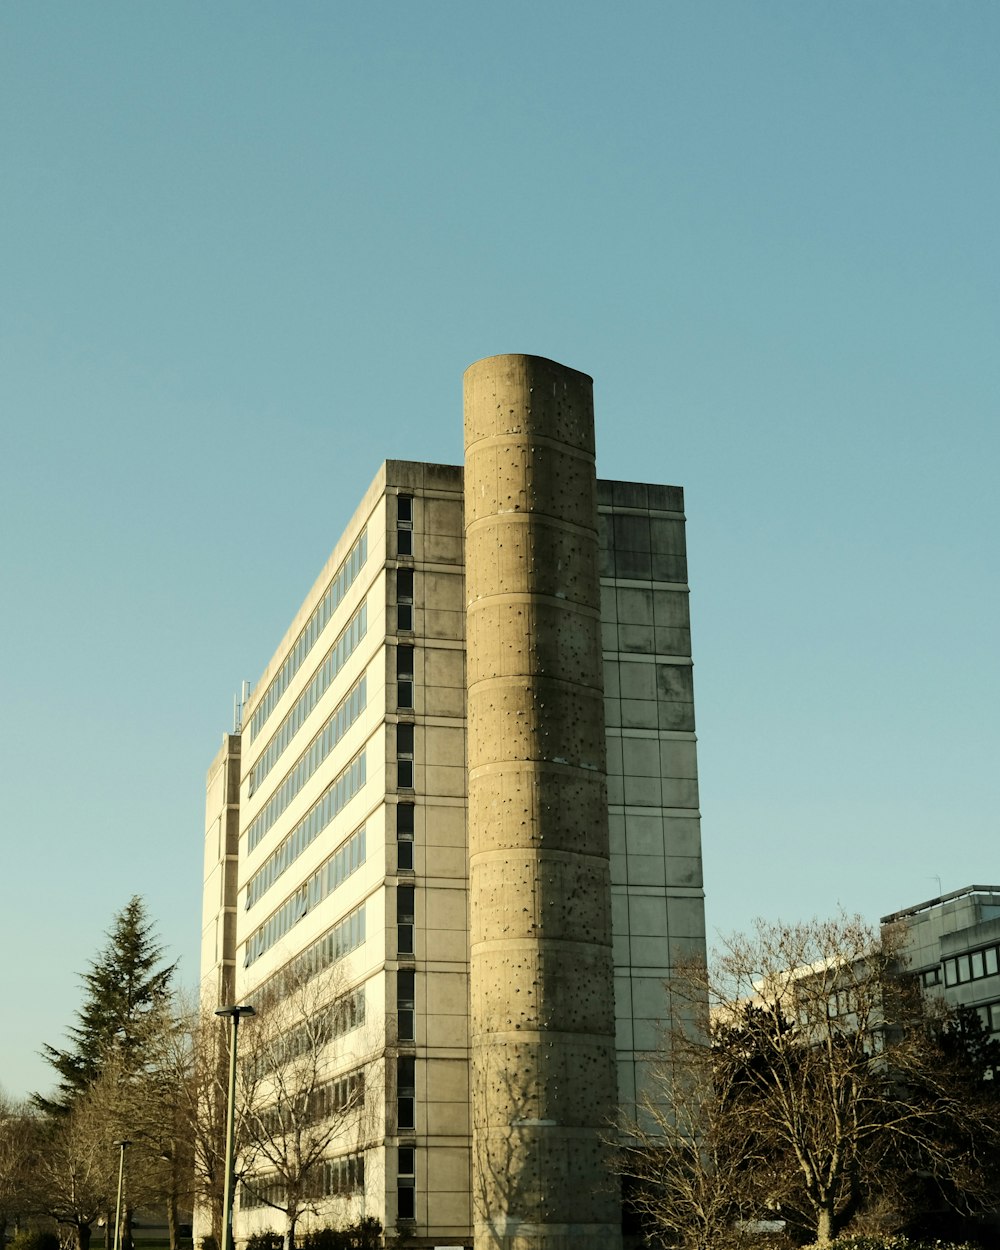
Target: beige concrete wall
<point x="540" y="944"/>
<point x="219" y="890"/>
<point x="440" y="1137"/>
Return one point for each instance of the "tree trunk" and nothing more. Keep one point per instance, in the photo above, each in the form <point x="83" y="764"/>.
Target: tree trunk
<point x="126" y="1242"/>
<point x="172" y="1218"/>
<point x="824" y="1226"/>
<point x="109" y="1230"/>
<point x="83" y="1236"/>
<point x="292" y="1218"/>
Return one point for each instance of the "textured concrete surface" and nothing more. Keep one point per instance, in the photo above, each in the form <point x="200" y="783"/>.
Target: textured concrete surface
<point x="541" y="983"/>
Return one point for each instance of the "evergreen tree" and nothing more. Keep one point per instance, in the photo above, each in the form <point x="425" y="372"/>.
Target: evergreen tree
<point x="127" y="993"/>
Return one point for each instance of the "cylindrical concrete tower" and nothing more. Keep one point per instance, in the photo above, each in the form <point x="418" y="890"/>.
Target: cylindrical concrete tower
<point x="542" y="991"/>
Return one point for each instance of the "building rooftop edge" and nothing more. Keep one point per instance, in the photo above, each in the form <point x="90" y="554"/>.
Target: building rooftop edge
<point x="394" y="473"/>
<point x="965" y="892"/>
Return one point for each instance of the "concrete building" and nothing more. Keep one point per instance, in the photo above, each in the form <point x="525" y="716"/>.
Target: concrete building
<point x="953" y="944"/>
<point x="467" y="780"/>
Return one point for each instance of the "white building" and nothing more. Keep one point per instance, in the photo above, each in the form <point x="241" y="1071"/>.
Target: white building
<point x="336" y="824"/>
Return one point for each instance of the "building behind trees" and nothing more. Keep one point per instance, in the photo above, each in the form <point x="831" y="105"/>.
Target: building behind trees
<point x="466" y="781"/>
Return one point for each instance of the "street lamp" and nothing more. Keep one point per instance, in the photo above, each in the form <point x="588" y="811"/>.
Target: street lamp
<point x="234" y="1014"/>
<point x="121" y="1176"/>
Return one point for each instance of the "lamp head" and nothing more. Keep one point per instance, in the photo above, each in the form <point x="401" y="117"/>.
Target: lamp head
<point x="235" y="1012"/>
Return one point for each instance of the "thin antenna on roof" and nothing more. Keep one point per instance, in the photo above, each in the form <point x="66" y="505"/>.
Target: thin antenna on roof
<point x="239" y="703"/>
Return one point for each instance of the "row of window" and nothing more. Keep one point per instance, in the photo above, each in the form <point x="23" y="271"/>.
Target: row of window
<point x="345" y="936"/>
<point x="348" y="858"/>
<point x="342" y="580"/>
<point x="345" y="1175"/>
<point x="322" y="679"/>
<point x="340" y="1097"/>
<point x="406" y="1189"/>
<point x="972" y="967"/>
<point x="341" y="719"/>
<point x="338" y="1018"/>
<point x="327" y="807"/>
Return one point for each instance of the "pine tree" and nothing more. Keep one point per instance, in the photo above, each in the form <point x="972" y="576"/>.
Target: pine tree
<point x="127" y="992"/>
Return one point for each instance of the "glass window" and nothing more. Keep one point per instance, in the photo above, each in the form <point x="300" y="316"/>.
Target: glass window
<point x="404" y="778"/>
<point x="404" y="902"/>
<point x="406" y="1071"/>
<point x="404" y="509"/>
<point x="404" y="585"/>
<point x="404" y="616"/>
<point x="404" y="694"/>
<point x="950" y="972"/>
<point x="991" y="961"/>
<point x="404" y="818"/>
<point x="964" y="968"/>
<point x="978" y="968"/>
<point x="405" y="1004"/>
<point x="404" y="939"/>
<point x="404" y="662"/>
<point x="405" y="1160"/>
<point x="405" y="983"/>
<point x="404" y="739"/>
<point x="405" y="1113"/>
<point x="406" y="1203"/>
<point x="404" y="542"/>
<point x="404" y="856"/>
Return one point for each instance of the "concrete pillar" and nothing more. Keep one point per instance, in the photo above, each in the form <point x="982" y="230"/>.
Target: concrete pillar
<point x="541" y="983"/>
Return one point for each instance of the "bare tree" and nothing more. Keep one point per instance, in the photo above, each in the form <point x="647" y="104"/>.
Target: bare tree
<point x="305" y="1060"/>
<point x="73" y="1166"/>
<point x="684" y="1157"/>
<point x="16" y="1128"/>
<point x="821" y="1072"/>
<point x="204" y="1093"/>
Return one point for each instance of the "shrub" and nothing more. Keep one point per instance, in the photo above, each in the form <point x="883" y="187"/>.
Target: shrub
<point x="33" y="1239"/>
<point x="893" y="1241"/>
<point x="267" y="1240"/>
<point x="324" y="1239"/>
<point x="365" y="1235"/>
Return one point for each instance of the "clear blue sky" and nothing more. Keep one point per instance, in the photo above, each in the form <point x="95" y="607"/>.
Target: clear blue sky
<point x="248" y="250"/>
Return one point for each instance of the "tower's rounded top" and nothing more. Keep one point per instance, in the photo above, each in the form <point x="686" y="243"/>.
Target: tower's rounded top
<point x="507" y="359"/>
<point x="517" y="396"/>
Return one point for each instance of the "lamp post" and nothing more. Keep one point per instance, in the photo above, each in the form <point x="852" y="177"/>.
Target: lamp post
<point x="234" y="1014"/>
<point x="121" y="1177"/>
